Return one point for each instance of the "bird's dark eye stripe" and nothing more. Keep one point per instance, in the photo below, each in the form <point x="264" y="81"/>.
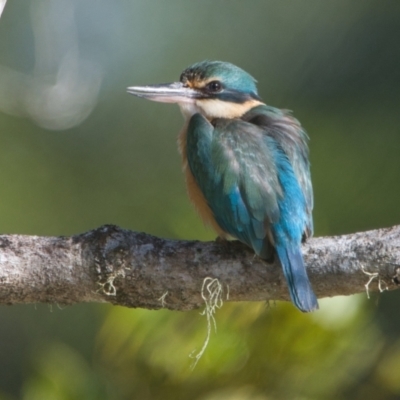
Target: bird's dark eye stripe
<point x="214" y="86"/>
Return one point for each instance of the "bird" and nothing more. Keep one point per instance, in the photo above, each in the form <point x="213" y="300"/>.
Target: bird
<point x="246" y="166"/>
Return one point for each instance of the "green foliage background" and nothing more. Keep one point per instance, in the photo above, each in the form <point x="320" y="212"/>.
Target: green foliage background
<point x="337" y="65"/>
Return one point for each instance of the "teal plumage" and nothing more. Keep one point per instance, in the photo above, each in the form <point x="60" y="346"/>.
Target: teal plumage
<point x="248" y="164"/>
<point x="254" y="192"/>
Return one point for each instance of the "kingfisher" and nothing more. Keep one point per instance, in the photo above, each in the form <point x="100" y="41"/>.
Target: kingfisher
<point x="246" y="166"/>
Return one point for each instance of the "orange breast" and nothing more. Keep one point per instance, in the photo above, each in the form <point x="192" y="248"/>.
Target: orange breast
<point x="195" y="194"/>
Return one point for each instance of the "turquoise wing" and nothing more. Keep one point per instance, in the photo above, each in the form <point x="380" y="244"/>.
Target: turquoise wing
<point x="292" y="138"/>
<point x="233" y="164"/>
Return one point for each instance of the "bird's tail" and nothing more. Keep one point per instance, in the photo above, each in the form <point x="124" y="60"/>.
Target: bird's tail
<point x="295" y="273"/>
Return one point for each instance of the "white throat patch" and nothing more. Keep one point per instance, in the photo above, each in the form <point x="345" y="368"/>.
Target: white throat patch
<point x="213" y="108"/>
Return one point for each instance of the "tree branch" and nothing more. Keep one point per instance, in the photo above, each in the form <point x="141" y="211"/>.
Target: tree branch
<point x="110" y="264"/>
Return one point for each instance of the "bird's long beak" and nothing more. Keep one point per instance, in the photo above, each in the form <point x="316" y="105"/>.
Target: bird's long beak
<point x="166" y="92"/>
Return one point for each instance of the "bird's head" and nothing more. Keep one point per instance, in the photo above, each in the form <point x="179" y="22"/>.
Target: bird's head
<point x="214" y="89"/>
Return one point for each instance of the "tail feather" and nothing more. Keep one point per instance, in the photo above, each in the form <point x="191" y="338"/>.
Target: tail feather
<point x="300" y="289"/>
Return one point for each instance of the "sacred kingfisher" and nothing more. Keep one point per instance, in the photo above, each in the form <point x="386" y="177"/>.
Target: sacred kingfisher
<point x="246" y="165"/>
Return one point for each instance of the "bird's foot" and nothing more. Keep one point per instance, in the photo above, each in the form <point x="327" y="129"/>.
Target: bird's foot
<point x="270" y="259"/>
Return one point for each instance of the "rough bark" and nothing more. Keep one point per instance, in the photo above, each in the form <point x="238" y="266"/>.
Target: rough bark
<point x="110" y="264"/>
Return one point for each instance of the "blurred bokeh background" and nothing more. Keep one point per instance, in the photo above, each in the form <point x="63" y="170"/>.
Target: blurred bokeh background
<point x="77" y="152"/>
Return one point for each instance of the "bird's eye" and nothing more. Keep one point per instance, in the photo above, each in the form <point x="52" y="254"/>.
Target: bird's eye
<point x="214" y="86"/>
